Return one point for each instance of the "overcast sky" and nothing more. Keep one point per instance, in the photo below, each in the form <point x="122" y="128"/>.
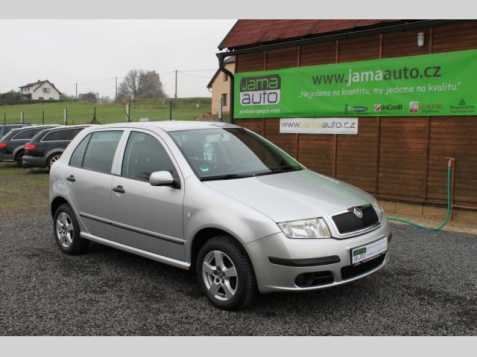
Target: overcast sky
<point x="93" y="52"/>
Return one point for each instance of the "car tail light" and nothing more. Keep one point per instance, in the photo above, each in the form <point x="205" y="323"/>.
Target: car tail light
<point x="3" y="146"/>
<point x="30" y="147"/>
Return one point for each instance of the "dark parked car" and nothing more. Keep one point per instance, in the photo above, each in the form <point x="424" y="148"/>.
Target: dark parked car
<point x="5" y="128"/>
<point x="47" y="146"/>
<point x="12" y="144"/>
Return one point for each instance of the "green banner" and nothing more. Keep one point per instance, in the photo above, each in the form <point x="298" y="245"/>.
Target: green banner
<point x="426" y="85"/>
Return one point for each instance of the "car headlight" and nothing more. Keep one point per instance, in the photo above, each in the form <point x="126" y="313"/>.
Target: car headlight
<point x="306" y="228"/>
<point x="379" y="211"/>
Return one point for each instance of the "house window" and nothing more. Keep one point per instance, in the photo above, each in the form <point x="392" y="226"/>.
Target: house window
<point x="224" y="100"/>
<point x="46" y="90"/>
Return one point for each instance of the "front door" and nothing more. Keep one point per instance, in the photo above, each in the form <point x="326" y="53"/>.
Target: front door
<point x="147" y="217"/>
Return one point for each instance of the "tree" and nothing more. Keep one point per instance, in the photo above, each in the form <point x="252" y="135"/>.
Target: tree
<point x="141" y="84"/>
<point x="88" y="97"/>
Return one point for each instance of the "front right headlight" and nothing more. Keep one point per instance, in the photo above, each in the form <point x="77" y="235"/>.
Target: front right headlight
<point x="306" y="229"/>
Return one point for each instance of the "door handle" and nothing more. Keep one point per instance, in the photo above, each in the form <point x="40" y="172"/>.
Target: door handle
<point x="71" y="178"/>
<point x="119" y="189"/>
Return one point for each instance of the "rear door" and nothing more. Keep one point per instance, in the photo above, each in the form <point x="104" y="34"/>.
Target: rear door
<point x="144" y="216"/>
<point x="89" y="179"/>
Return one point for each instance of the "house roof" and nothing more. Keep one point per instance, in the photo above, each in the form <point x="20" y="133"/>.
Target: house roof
<point x="39" y="83"/>
<point x="228" y="60"/>
<point x="254" y="32"/>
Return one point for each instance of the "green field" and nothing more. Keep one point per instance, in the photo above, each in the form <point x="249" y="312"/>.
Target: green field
<point x="82" y="112"/>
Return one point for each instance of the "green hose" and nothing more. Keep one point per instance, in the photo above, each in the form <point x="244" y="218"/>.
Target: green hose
<point x="449" y="207"/>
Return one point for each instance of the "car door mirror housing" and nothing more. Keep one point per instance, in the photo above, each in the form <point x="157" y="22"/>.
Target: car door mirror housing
<point x="162" y="178"/>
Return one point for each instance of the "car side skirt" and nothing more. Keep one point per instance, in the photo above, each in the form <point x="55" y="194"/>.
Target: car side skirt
<point x="140" y="252"/>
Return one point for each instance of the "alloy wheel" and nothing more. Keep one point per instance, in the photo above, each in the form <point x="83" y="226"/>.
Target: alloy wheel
<point x="64" y="230"/>
<point x="220" y="275"/>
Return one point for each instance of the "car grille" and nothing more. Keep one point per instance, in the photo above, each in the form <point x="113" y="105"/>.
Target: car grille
<point x="349" y="222"/>
<point x="351" y="271"/>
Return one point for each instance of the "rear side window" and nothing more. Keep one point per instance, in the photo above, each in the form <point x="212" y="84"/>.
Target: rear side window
<point x="25" y="134"/>
<point x="144" y="155"/>
<point x="100" y="151"/>
<point x="55" y="135"/>
<point x="78" y="154"/>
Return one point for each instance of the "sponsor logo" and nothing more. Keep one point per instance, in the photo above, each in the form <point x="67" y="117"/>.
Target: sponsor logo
<point x="414" y="107"/>
<point x="462" y="107"/>
<point x="355" y="108"/>
<point x="431" y="107"/>
<point x="263" y="90"/>
<point x="358" y="212"/>
<point x="387" y="107"/>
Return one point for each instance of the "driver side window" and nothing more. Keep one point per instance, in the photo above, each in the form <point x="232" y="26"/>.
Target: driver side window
<point x="143" y="156"/>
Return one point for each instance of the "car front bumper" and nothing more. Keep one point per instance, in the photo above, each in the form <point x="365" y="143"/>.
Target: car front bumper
<point x="34" y="161"/>
<point x="278" y="261"/>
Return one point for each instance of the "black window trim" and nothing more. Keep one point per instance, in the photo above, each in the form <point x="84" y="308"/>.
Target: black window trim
<point x="175" y="174"/>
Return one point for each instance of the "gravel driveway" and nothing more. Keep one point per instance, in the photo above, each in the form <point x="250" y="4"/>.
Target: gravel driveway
<point x="428" y="288"/>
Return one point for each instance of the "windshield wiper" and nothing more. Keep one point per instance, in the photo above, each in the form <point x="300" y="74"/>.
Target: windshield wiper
<point x="224" y="177"/>
<point x="278" y="170"/>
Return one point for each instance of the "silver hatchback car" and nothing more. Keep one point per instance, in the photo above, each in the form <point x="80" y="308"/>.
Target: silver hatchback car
<point x="219" y="200"/>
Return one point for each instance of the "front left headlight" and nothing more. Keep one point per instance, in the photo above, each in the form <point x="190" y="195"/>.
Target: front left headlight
<point x="306" y="229"/>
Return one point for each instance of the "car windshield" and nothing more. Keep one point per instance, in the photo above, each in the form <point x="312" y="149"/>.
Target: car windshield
<point x="229" y="153"/>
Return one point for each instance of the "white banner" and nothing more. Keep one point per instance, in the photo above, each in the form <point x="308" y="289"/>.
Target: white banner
<point x="319" y="126"/>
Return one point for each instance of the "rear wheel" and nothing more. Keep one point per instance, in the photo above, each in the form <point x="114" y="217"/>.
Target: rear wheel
<point x="225" y="274"/>
<point x="67" y="231"/>
<point x="52" y="159"/>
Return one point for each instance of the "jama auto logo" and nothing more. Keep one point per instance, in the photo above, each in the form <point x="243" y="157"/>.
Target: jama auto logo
<point x="462" y="107"/>
<point x="264" y="90"/>
<point x="387" y="107"/>
<point x="355" y="108"/>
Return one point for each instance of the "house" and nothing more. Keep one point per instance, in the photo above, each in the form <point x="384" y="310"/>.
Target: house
<point x="220" y="88"/>
<point x="40" y="90"/>
<point x="405" y="131"/>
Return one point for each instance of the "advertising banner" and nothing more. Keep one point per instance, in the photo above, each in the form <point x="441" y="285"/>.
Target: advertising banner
<point x="347" y="126"/>
<point x="441" y="84"/>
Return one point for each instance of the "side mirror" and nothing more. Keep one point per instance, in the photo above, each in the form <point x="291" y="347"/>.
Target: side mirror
<point x="161" y="178"/>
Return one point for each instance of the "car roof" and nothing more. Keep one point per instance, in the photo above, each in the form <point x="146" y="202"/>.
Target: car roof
<point x="171" y="125"/>
<point x="67" y="127"/>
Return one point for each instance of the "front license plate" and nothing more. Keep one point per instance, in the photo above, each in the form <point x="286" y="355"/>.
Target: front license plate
<point x="368" y="251"/>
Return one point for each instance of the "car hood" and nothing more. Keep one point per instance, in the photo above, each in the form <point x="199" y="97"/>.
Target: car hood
<point x="293" y="195"/>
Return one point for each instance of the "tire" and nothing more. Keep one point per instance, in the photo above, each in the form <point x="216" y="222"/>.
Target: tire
<point x="52" y="159"/>
<point x="226" y="291"/>
<point x="66" y="231"/>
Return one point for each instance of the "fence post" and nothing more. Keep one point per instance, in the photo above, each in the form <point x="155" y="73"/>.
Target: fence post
<point x="65" y="117"/>
<point x="43" y="118"/>
<point x="170" y="109"/>
<point x="22" y="118"/>
<point x="4" y="119"/>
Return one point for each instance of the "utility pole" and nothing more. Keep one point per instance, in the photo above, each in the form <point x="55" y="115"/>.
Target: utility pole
<point x="175" y="85"/>
<point x="76" y="89"/>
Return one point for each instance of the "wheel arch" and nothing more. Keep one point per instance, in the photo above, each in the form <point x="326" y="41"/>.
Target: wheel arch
<point x="57" y="202"/>
<point x="207" y="233"/>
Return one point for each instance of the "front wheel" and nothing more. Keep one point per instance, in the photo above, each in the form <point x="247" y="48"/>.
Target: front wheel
<point x="225" y="274"/>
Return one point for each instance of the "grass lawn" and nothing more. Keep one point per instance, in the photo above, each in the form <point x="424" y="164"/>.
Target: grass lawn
<point x="82" y="112"/>
<point x="22" y="190"/>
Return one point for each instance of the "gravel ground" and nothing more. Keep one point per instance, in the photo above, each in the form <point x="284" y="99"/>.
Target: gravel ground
<point x="428" y="288"/>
